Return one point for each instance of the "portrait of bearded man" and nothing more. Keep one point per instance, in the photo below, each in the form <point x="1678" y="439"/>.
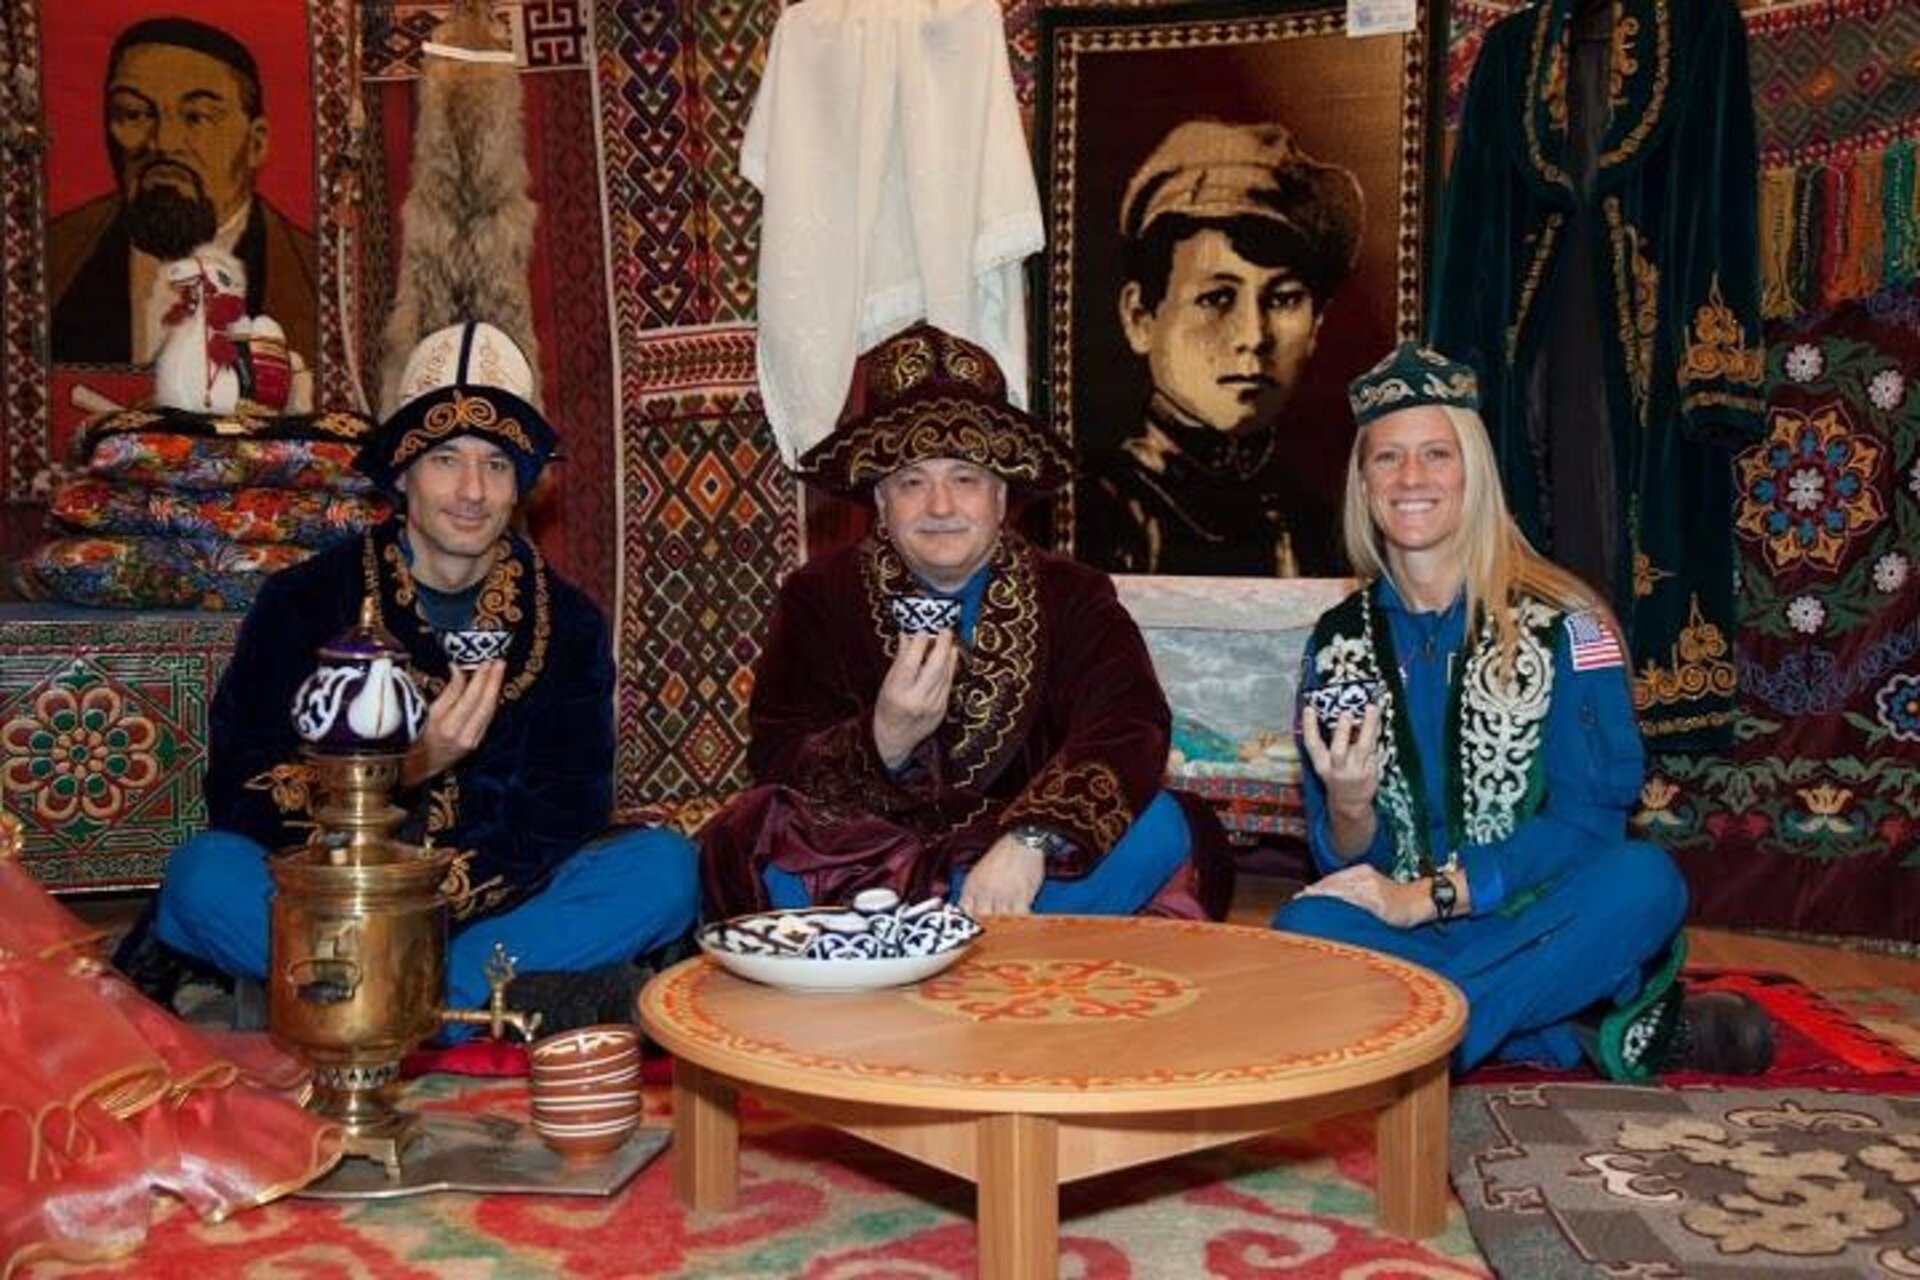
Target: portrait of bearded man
<point x="186" y="133"/>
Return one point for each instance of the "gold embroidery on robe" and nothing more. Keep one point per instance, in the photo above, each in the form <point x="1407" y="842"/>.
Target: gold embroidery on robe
<point x="994" y="685"/>
<point x="1645" y="575"/>
<point x="1085" y="797"/>
<point x="1536" y="271"/>
<point x="466" y="899"/>
<point x="1630" y="61"/>
<point x="1717" y="347"/>
<point x="1701" y="667"/>
<point x="1621" y="64"/>
<point x="1624" y="40"/>
<point x="1636" y="291"/>
<point x="289" y="786"/>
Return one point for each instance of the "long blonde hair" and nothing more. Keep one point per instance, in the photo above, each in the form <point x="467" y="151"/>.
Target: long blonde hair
<point x="1497" y="561"/>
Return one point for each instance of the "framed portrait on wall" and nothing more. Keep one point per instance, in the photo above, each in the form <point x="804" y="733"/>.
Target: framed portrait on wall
<point x="168" y="124"/>
<point x="1238" y="199"/>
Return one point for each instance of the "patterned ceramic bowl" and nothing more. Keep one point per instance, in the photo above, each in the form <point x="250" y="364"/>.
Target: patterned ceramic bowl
<point x="473" y="646"/>
<point x="828" y="949"/>
<point x="921" y="615"/>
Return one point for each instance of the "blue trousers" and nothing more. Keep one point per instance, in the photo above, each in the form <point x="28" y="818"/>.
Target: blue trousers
<point x="617" y="898"/>
<point x="1144" y="858"/>
<point x="1534" y="963"/>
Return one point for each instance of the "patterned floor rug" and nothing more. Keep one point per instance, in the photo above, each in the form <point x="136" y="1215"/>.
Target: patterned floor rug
<point x="816" y="1205"/>
<point x="1587" y="1180"/>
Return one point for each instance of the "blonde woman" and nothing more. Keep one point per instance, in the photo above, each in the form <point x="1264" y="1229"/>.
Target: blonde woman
<point x="1473" y="756"/>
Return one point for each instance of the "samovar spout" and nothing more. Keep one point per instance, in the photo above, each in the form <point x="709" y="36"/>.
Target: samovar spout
<point x="496" y="1017"/>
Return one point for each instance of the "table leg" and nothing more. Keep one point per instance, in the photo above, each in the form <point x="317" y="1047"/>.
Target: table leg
<point x="1410" y="1148"/>
<point x="1019" y="1197"/>
<point x="706" y="1137"/>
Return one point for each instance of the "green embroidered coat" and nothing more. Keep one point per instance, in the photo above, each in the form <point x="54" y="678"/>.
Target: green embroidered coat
<point x="1669" y="219"/>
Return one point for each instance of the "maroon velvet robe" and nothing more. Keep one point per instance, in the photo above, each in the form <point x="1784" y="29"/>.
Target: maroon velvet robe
<point x="1055" y="718"/>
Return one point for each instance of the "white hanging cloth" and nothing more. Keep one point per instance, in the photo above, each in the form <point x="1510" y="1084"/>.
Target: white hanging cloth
<point x="886" y="141"/>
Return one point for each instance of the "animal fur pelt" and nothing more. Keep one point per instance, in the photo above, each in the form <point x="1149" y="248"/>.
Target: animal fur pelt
<point x="467" y="224"/>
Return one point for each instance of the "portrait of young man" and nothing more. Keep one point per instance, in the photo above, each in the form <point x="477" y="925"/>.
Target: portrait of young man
<point x="191" y="120"/>
<point x="1235" y="243"/>
<point x="1234" y="209"/>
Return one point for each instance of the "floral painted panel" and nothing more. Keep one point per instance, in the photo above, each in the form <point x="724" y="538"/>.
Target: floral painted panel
<point x="103" y="737"/>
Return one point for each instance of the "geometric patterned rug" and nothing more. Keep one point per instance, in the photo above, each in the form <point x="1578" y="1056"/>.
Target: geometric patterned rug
<point x="1586" y="1180"/>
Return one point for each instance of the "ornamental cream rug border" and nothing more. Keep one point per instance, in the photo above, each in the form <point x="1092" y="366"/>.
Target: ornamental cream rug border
<point x="1586" y="1180"/>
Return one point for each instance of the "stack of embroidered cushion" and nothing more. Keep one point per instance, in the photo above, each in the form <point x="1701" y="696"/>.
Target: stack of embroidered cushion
<point x="176" y="510"/>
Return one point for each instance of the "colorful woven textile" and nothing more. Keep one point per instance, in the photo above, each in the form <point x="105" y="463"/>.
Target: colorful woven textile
<point x="707" y="531"/>
<point x="1571" y="1181"/>
<point x="304" y="517"/>
<point x="1812" y="821"/>
<point x="189" y="462"/>
<point x="113" y="572"/>
<point x="1839" y="111"/>
<point x="107" y="710"/>
<point x="820" y="1205"/>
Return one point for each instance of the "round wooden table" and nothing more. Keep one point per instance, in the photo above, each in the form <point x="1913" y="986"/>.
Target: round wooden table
<point x="1062" y="1047"/>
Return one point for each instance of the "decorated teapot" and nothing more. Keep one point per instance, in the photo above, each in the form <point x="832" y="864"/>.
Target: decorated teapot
<point x="360" y="698"/>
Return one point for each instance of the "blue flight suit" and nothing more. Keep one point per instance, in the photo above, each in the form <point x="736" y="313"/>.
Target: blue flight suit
<point x="1566" y="912"/>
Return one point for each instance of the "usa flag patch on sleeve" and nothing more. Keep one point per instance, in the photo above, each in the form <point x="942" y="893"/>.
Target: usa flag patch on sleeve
<point x="1591" y="643"/>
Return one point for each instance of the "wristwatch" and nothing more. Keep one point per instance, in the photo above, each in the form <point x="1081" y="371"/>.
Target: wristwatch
<point x="1446" y="897"/>
<point x="1042" y="841"/>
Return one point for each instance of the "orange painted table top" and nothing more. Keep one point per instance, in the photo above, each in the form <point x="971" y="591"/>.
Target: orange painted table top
<point x="1076" y="1014"/>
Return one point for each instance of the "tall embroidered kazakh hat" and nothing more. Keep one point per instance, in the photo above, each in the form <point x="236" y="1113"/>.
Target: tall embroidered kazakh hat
<point x="1412" y="375"/>
<point x="924" y="394"/>
<point x="464" y="380"/>
<point x="1212" y="171"/>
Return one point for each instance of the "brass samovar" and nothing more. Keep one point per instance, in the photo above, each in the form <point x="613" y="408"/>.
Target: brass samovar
<point x="359" y="941"/>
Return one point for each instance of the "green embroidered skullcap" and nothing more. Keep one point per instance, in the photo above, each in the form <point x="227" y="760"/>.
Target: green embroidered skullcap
<point x="1412" y="375"/>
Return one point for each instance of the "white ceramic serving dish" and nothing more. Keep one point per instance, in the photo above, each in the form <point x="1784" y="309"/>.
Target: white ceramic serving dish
<point x="797" y="973"/>
<point x="807" y="973"/>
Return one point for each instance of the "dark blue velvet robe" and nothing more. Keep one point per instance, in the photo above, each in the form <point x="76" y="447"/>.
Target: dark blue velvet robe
<point x="539" y="785"/>
<point x="1672" y="211"/>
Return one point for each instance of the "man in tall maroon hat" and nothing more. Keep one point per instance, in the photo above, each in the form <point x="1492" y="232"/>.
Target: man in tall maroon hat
<point x="945" y="708"/>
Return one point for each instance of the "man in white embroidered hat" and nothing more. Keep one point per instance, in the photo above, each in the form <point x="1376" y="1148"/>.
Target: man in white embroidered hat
<point x="515" y="763"/>
<point x="1234" y="240"/>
